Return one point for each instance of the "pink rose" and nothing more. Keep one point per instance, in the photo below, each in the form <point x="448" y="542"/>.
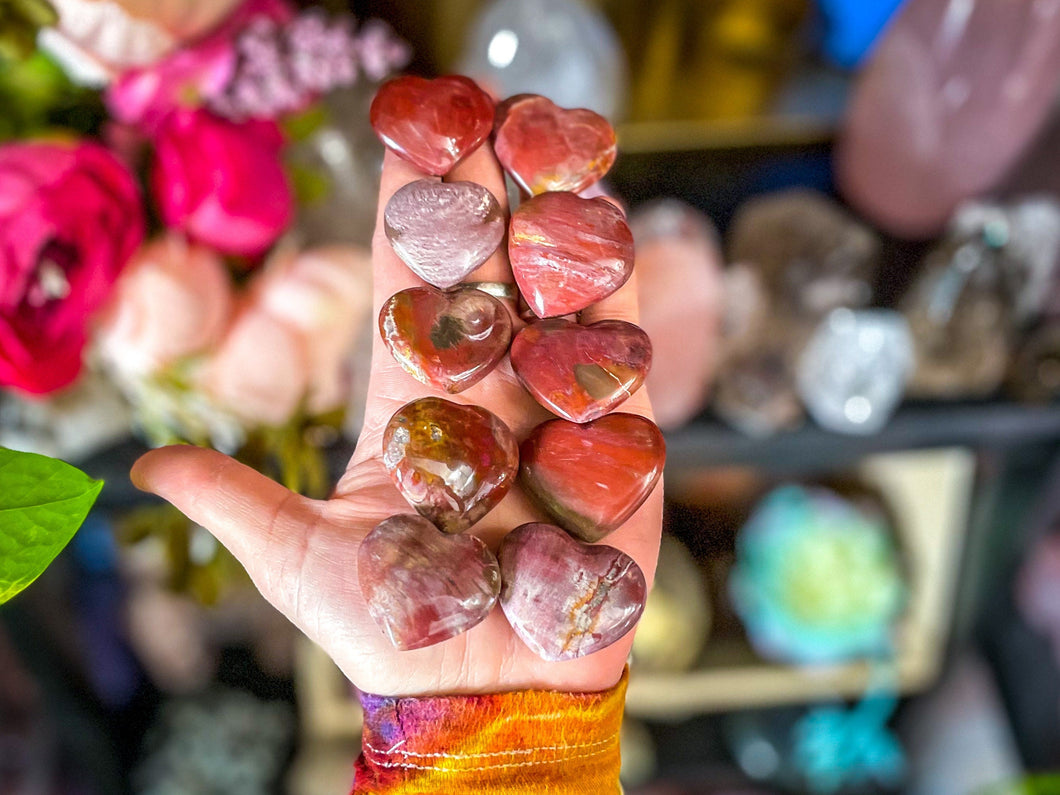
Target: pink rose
<point x="290" y="346"/>
<point x="222" y="182"/>
<point x="326" y="294"/>
<point x="190" y="76"/>
<point x="173" y="300"/>
<point x="70" y="218"/>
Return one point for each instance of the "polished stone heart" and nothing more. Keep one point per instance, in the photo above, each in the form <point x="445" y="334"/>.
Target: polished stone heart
<point x="448" y="340"/>
<point x="433" y="124"/>
<point x="422" y="586"/>
<point x="443" y="230"/>
<point x="548" y="148"/>
<point x="581" y="372"/>
<point x="566" y="599"/>
<point x="591" y="478"/>
<point x="453" y="463"/>
<point x="567" y="252"/>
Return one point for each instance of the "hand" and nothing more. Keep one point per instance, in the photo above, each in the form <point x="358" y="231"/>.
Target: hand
<point x="302" y="553"/>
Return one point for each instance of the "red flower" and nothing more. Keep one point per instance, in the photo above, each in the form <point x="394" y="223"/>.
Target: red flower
<point x="222" y="182"/>
<point x="70" y="218"/>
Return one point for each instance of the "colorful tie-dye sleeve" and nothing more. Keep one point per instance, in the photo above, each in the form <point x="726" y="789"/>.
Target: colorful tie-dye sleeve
<point x="531" y="741"/>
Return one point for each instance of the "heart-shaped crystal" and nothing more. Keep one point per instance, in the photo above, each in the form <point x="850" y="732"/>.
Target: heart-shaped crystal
<point x="433" y="124"/>
<point x="448" y="340"/>
<point x="453" y="463"/>
<point x="581" y="372"/>
<point x="443" y="230"/>
<point x="568" y="252"/>
<point x="592" y="477"/>
<point x="548" y="148"/>
<point x="566" y="599"/>
<point x="422" y="586"/>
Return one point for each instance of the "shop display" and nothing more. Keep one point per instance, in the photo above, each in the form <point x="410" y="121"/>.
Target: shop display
<point x="1034" y="376"/>
<point x="575" y="59"/>
<point x="953" y="95"/>
<point x="548" y="148"/>
<point x="680" y="291"/>
<point x="817" y="579"/>
<point x="451" y="340"/>
<point x="566" y="599"/>
<point x="852" y="373"/>
<point x="443" y="230"/>
<point x="453" y="463"/>
<point x="567" y="252"/>
<point x="813" y="255"/>
<point x="675" y="626"/>
<point x="961" y="310"/>
<point x="591" y="478"/>
<point x="755" y="387"/>
<point x="423" y="586"/>
<point x="581" y="372"/>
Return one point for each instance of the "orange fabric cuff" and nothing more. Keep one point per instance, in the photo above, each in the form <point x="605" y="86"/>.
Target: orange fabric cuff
<point x="530" y="741"/>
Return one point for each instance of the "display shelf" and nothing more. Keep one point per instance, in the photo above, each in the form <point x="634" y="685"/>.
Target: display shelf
<point x="708" y="442"/>
<point x="930" y="494"/>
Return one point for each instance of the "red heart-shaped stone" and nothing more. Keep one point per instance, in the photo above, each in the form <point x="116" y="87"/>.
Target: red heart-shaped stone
<point x="567" y="252"/>
<point x="548" y="148"/>
<point x="453" y="463"/>
<point x="433" y="124"/>
<point x="566" y="599"/>
<point x="591" y="478"/>
<point x="581" y="372"/>
<point x="443" y="230"/>
<point x="422" y="586"/>
<point x="448" y="340"/>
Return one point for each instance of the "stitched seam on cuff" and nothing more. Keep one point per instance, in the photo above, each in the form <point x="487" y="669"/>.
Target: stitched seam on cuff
<point x="490" y="754"/>
<point x="475" y="769"/>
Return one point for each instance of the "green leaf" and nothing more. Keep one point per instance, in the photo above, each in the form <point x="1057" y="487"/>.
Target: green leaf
<point x="42" y="503"/>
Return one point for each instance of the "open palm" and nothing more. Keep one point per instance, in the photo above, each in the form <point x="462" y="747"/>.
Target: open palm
<point x="302" y="553"/>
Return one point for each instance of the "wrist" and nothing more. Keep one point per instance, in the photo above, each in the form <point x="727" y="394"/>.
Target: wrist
<point x="520" y="741"/>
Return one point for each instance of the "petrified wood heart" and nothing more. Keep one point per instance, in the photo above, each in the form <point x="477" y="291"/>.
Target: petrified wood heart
<point x="422" y="586"/>
<point x="453" y="463"/>
<point x="581" y="372"/>
<point x="433" y="124"/>
<point x="566" y="599"/>
<point x="568" y="252"/>
<point x="443" y="230"/>
<point x="448" y="340"/>
<point x="548" y="148"/>
<point x="591" y="478"/>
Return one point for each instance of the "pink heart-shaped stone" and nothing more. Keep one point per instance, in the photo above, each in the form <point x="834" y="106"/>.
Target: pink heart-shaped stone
<point x="453" y="463"/>
<point x="581" y="372"/>
<point x="448" y="340"/>
<point x="422" y="586"/>
<point x="566" y="599"/>
<point x="592" y="477"/>
<point x="433" y="124"/>
<point x="548" y="148"/>
<point x="567" y="252"/>
<point x="443" y="230"/>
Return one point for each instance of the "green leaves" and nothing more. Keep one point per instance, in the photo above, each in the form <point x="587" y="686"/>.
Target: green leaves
<point x="42" y="503"/>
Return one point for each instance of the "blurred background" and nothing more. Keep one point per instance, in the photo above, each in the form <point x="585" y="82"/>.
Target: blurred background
<point x="847" y="223"/>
